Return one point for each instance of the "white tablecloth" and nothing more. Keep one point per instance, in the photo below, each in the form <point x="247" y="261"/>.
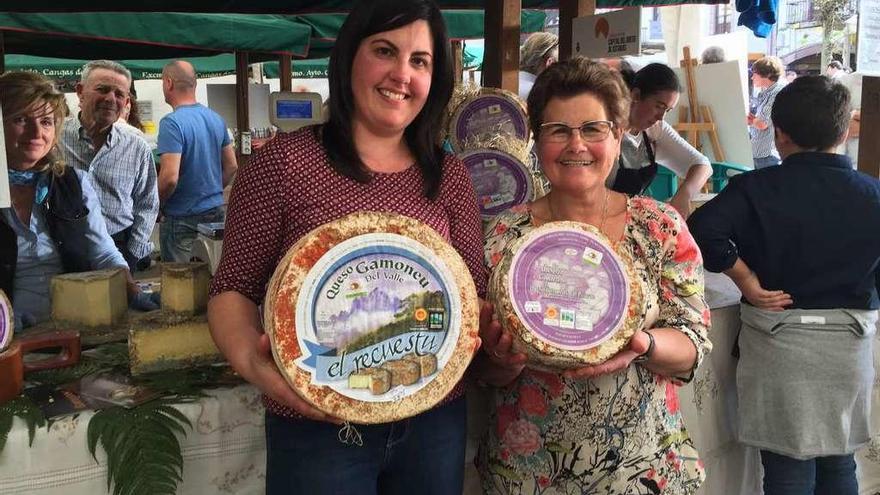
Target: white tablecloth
<point x="224" y="452"/>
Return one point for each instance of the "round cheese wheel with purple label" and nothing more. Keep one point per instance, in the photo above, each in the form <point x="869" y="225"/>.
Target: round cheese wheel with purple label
<point x="500" y="180"/>
<point x="566" y="296"/>
<point x="492" y="112"/>
<point x="372" y="317"/>
<point x="7" y="322"/>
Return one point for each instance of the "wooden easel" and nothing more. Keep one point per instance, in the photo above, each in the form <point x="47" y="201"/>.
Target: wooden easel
<point x="697" y="118"/>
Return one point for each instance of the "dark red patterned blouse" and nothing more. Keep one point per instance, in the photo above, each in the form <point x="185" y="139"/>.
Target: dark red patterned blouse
<point x="289" y="188"/>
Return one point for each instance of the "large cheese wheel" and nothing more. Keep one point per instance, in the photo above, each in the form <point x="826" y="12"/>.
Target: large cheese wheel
<point x="491" y="112"/>
<point x="566" y="296"/>
<point x="372" y="291"/>
<point x="7" y="322"/>
<point x="500" y="180"/>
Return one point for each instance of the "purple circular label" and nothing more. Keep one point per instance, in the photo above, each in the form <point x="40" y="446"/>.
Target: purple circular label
<point x="491" y="114"/>
<point x="499" y="180"/>
<point x="569" y="289"/>
<point x="6" y="323"/>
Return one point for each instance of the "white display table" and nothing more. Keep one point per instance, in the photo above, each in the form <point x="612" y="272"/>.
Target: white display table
<point x="224" y="452"/>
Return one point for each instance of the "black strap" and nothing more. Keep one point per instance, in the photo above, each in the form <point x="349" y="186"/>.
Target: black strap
<point x="634" y="181"/>
<point x="649" y="148"/>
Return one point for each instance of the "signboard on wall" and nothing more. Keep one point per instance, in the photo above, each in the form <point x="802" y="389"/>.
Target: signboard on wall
<point x="613" y="34"/>
<point x="868" y="51"/>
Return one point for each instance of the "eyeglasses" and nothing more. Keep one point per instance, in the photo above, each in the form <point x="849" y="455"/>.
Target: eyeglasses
<point x="591" y="131"/>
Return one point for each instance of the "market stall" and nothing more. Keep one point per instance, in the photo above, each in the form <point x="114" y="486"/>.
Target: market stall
<point x="235" y="413"/>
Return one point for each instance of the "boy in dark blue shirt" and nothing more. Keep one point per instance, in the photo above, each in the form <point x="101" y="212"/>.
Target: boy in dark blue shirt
<point x="801" y="243"/>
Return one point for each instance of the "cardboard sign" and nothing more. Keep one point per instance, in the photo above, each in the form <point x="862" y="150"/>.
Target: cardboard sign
<point x="613" y="34"/>
<point x="868" y="51"/>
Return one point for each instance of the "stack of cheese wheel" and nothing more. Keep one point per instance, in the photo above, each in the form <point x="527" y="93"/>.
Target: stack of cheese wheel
<point x="500" y="180"/>
<point x="7" y="322"/>
<point x="566" y="296"/>
<point x="372" y="317"/>
<point x="489" y="113"/>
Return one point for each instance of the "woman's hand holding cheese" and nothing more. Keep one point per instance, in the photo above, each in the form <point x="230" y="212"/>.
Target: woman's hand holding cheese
<point x="501" y="364"/>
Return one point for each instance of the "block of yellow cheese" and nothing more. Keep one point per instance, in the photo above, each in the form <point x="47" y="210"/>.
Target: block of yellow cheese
<point x="185" y="287"/>
<point x="377" y="380"/>
<point x="91" y="299"/>
<point x="161" y="341"/>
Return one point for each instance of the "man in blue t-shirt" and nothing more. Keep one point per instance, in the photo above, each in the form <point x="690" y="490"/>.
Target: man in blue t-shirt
<point x="196" y="162"/>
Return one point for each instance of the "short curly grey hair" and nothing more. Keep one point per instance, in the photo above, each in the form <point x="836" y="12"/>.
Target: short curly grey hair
<point x="104" y="64"/>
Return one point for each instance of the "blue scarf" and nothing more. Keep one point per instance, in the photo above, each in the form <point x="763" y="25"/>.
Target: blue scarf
<point x="31" y="178"/>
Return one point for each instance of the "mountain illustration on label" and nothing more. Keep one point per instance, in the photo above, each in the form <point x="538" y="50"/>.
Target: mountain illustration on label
<point x="379" y="318"/>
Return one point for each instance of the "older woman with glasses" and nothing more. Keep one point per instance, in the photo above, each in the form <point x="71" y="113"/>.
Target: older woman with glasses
<point x="613" y="428"/>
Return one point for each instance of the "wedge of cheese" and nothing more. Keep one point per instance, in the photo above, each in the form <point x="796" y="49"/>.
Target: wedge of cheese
<point x="90" y="299"/>
<point x="427" y="363"/>
<point x="185" y="287"/>
<point x="403" y="372"/>
<point x="161" y="341"/>
<point x="376" y="380"/>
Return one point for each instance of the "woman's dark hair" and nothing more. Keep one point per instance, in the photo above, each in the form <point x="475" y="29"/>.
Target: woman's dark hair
<point x="367" y="18"/>
<point x="134" y="113"/>
<point x="651" y="79"/>
<point x="814" y="111"/>
<point x="574" y="77"/>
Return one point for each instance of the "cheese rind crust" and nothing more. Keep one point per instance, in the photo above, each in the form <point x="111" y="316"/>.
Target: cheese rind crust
<point x="279" y="318"/>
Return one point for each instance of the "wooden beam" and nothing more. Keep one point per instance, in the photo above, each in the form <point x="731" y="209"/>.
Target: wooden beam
<point x="501" y="49"/>
<point x="285" y="72"/>
<point x="568" y="10"/>
<point x="869" y="149"/>
<point x="242" y="116"/>
<point x="457" y="63"/>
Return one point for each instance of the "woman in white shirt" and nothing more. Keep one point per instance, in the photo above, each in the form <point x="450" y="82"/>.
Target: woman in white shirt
<point x="651" y="140"/>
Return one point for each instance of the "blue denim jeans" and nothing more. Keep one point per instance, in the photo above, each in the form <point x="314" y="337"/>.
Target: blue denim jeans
<point x="766" y="161"/>
<point x="830" y="475"/>
<point x="421" y="455"/>
<point x="176" y="234"/>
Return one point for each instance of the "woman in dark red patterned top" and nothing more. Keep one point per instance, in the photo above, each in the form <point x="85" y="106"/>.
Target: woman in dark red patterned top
<point x="390" y="79"/>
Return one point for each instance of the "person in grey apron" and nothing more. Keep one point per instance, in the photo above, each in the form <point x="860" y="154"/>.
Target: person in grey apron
<point x="651" y="141"/>
<point x="799" y="240"/>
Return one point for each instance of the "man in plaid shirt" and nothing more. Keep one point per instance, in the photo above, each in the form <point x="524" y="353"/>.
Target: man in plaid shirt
<point x="119" y="163"/>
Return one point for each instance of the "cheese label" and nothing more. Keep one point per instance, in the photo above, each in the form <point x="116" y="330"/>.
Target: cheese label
<point x="584" y="298"/>
<point x="378" y="315"/>
<point x="7" y="322"/>
<point x="500" y="180"/>
<point x="490" y="114"/>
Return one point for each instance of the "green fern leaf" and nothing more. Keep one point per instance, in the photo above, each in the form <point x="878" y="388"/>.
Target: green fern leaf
<point x="25" y="409"/>
<point x="142" y="446"/>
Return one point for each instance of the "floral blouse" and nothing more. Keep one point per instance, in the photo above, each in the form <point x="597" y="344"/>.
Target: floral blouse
<point x="614" y="434"/>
